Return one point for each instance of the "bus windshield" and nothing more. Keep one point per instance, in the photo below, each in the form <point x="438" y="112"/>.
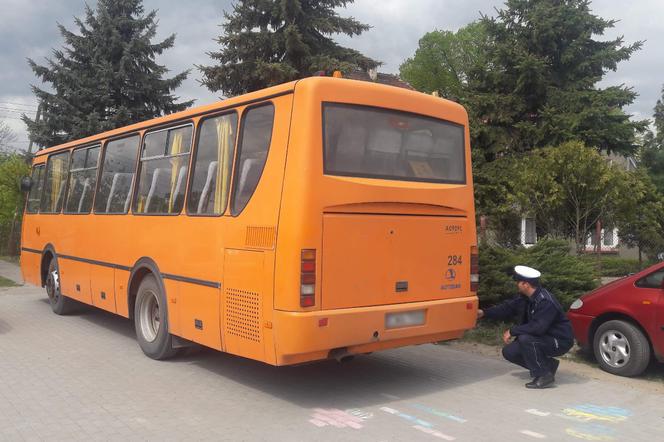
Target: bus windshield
<point x="363" y="141"/>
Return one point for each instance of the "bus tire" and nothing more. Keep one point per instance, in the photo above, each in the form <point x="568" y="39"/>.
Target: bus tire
<point x="151" y="320"/>
<point x="60" y="304"/>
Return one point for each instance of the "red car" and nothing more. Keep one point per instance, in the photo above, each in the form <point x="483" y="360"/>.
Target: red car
<point x="623" y="322"/>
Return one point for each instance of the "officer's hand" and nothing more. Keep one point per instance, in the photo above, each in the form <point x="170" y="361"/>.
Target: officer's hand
<point x="507" y="336"/>
<point x="480" y="313"/>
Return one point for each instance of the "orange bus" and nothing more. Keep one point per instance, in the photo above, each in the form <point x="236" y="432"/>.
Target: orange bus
<point x="316" y="219"/>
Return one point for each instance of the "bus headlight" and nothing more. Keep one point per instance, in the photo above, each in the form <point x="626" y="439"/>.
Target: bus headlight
<point x="576" y="305"/>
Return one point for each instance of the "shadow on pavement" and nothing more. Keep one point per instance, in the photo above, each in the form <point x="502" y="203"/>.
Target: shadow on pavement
<point x="365" y="381"/>
<point x="102" y="318"/>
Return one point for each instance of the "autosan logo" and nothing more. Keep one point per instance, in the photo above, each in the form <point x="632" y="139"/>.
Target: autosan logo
<point x="453" y="229"/>
<point x="450" y="276"/>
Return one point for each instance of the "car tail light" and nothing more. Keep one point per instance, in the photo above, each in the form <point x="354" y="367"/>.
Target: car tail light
<point x="474" y="269"/>
<point x="308" y="278"/>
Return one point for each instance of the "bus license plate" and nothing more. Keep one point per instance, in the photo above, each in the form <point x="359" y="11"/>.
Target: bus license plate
<point x="404" y="319"/>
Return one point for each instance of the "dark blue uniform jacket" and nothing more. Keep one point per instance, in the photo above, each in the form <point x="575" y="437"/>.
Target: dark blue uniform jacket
<point x="539" y="315"/>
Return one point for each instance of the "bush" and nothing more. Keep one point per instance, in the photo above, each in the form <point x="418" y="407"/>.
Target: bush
<point x="565" y="275"/>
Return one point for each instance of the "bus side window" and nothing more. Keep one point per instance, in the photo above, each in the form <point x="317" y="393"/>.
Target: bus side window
<point x="117" y="172"/>
<point x="52" y="197"/>
<point x="82" y="180"/>
<point x="34" y="197"/>
<point x="163" y="171"/>
<point x="212" y="165"/>
<point x="254" y="143"/>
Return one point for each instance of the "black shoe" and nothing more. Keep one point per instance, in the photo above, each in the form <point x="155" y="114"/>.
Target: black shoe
<point x="539" y="382"/>
<point x="554" y="366"/>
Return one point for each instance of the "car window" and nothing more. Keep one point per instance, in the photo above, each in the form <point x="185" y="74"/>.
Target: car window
<point x="652" y="281"/>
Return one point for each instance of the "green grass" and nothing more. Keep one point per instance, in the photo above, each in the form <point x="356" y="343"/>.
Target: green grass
<point x="4" y="282"/>
<point x="12" y="259"/>
<point x="487" y="332"/>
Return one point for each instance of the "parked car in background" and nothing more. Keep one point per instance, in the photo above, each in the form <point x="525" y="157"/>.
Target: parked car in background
<point x="623" y="322"/>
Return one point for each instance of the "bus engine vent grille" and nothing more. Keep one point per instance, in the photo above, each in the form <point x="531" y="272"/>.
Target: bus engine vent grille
<point x="243" y="313"/>
<point x="260" y="237"/>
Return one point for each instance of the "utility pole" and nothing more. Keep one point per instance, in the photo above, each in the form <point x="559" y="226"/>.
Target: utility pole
<point x="39" y="110"/>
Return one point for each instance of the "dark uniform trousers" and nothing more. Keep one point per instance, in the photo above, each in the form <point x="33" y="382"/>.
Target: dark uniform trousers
<point x="536" y="353"/>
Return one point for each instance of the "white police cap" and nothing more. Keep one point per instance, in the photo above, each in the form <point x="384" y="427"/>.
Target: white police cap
<point x="524" y="273"/>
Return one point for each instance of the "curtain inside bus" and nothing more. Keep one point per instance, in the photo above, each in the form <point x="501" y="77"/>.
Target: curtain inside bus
<point x="176" y="148"/>
<point x="58" y="182"/>
<point x="225" y="138"/>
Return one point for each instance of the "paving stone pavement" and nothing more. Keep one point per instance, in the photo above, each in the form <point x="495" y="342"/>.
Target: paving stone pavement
<point x="83" y="377"/>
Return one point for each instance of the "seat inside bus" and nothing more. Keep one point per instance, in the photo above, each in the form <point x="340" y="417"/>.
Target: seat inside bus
<point x="120" y="186"/>
<point x="382" y="152"/>
<point x="210" y="181"/>
<point x="160" y="189"/>
<point x="84" y="194"/>
<point x="250" y="173"/>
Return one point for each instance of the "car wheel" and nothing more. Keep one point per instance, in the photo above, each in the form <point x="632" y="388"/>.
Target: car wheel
<point x="621" y="348"/>
<point x="60" y="304"/>
<point x="151" y="320"/>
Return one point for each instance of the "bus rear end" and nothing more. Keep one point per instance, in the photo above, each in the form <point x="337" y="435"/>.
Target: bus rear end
<point x="377" y="243"/>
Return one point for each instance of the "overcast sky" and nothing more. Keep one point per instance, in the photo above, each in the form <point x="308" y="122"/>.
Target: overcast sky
<point x="28" y="28"/>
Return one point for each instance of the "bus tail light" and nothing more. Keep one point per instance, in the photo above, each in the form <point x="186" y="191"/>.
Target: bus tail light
<point x="308" y="278"/>
<point x="474" y="269"/>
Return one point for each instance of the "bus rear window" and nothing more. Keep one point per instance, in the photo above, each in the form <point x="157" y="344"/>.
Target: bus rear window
<point x="364" y="141"/>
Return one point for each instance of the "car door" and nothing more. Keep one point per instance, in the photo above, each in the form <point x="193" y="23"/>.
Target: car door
<point x="650" y="308"/>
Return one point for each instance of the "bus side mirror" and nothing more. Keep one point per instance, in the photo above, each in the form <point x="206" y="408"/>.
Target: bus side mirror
<point x="26" y="184"/>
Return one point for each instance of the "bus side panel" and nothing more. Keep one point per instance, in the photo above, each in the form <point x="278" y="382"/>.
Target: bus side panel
<point x="121" y="282"/>
<point x="242" y="306"/>
<point x="75" y="279"/>
<point x="31" y="261"/>
<point x="30" y="267"/>
<point x="172" y="295"/>
<point x="102" y="287"/>
<point x="199" y="314"/>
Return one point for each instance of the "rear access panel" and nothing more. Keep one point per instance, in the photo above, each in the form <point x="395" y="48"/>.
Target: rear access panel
<point x="390" y="259"/>
<point x="242" y="306"/>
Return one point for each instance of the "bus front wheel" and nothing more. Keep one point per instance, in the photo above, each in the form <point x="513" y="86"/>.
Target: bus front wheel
<point x="60" y="304"/>
<point x="151" y="320"/>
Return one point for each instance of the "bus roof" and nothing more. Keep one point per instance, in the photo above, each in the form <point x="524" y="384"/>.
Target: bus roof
<point x="191" y="112"/>
<point x="239" y="100"/>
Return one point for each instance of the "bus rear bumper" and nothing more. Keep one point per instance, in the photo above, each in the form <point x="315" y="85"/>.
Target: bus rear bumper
<point x="309" y="336"/>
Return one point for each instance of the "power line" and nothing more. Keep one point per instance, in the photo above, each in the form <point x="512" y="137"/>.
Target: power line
<point x="17" y="111"/>
<point x="12" y="103"/>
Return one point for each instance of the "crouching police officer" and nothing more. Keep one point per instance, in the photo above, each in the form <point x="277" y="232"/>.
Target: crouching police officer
<point x="543" y="330"/>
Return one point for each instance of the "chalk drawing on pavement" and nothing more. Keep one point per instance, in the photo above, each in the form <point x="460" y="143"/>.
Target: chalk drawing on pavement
<point x="334" y="418"/>
<point x="439" y="413"/>
<point x="592" y="432"/>
<point x="533" y="434"/>
<point x="364" y="415"/>
<point x="407" y="417"/>
<point x="434" y="433"/>
<point x="591" y="412"/>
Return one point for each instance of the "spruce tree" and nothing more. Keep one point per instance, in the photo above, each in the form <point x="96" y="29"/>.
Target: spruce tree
<point x="105" y="77"/>
<point x="658" y="119"/>
<point x="652" y="153"/>
<point x="268" y="42"/>
<point x="540" y="88"/>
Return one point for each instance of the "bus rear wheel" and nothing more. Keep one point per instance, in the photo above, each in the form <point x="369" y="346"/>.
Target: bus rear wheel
<point x="60" y="304"/>
<point x="151" y="320"/>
